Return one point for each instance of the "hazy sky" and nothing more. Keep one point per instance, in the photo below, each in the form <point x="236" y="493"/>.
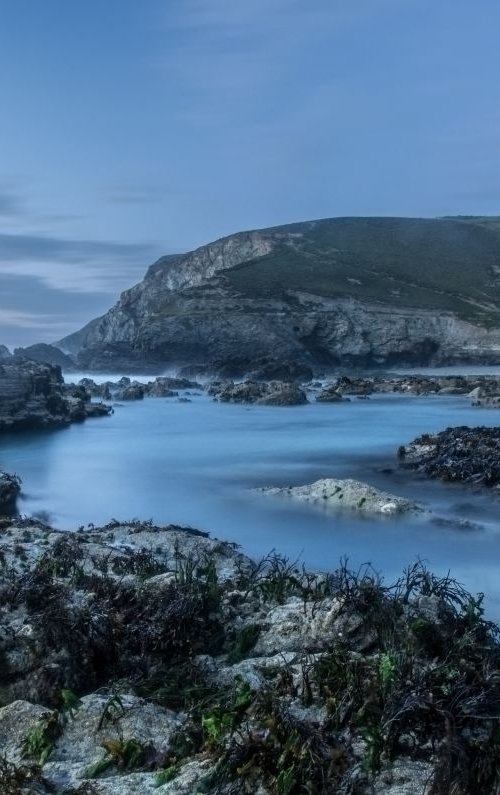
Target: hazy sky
<point x="132" y="128"/>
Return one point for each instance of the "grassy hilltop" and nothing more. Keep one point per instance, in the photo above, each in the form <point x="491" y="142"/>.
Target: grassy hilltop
<point x="448" y="264"/>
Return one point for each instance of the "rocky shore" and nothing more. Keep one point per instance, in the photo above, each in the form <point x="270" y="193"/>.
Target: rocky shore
<point x="33" y="396"/>
<point x="481" y="390"/>
<point x="140" y="659"/>
<point x="10" y="488"/>
<point x="463" y="454"/>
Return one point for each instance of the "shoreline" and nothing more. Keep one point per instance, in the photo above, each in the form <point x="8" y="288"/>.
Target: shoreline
<point x="135" y="656"/>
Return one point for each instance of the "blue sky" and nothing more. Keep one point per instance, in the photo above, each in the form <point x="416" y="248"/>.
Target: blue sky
<point x="131" y="129"/>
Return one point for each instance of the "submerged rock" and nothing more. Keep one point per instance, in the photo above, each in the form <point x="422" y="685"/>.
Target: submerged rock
<point x="348" y="494"/>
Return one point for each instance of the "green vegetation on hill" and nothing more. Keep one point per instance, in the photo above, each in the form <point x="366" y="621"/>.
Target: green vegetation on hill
<point x="437" y="264"/>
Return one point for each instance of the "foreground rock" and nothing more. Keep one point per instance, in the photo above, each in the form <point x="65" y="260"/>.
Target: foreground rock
<point x="469" y="455"/>
<point x="34" y="396"/>
<point x="351" y="495"/>
<point x="10" y="488"/>
<point x="139" y="659"/>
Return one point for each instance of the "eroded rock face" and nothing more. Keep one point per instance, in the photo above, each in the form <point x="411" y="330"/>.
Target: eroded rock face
<point x="325" y="293"/>
<point x="33" y="395"/>
<point x="347" y="494"/>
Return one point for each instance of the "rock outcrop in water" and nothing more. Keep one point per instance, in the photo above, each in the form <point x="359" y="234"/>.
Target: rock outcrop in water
<point x="136" y="659"/>
<point x="351" y="495"/>
<point x="33" y="396"/>
<point x="463" y="454"/>
<point x="274" y="393"/>
<point x="345" y="291"/>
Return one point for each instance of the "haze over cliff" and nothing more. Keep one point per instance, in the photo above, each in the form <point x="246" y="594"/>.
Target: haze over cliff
<point x="348" y="291"/>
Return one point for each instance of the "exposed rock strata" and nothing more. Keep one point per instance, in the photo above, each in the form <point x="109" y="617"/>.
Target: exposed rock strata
<point x="33" y="395"/>
<point x="136" y="659"/>
<point x="352" y="292"/>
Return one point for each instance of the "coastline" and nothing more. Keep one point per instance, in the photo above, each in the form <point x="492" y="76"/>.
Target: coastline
<point x="140" y="658"/>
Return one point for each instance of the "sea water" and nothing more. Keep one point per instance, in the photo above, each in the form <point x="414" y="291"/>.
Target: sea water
<point x="198" y="463"/>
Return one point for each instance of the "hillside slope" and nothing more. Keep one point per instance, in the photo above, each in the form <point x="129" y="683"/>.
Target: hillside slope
<point x="352" y="291"/>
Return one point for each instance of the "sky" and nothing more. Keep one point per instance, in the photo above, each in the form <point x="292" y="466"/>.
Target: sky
<point x="134" y="129"/>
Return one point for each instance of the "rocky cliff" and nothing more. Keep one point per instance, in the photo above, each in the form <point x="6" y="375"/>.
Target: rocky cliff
<point x="349" y="291"/>
<point x="33" y="396"/>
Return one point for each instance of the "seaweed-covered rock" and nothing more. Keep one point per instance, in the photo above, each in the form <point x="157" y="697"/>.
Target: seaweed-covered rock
<point x="463" y="454"/>
<point x="136" y="658"/>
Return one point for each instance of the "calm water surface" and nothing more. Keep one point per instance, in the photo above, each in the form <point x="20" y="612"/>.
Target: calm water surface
<point x="195" y="464"/>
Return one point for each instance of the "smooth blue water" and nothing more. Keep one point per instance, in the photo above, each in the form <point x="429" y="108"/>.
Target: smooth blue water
<point x="195" y="463"/>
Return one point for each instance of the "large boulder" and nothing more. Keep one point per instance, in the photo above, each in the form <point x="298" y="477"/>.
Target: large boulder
<point x="348" y="494"/>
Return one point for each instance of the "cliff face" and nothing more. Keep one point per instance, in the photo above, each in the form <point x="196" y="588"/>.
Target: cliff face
<point x="341" y="291"/>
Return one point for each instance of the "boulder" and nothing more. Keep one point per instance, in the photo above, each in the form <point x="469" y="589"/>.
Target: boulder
<point x="347" y="494"/>
<point x="132" y="392"/>
<point x="330" y="394"/>
<point x="273" y="393"/>
<point x="285" y="395"/>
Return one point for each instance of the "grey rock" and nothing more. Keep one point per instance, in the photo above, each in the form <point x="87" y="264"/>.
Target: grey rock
<point x="10" y="487"/>
<point x="33" y="395"/>
<point x="347" y="494"/>
<point x="274" y="393"/>
<point x="309" y="294"/>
